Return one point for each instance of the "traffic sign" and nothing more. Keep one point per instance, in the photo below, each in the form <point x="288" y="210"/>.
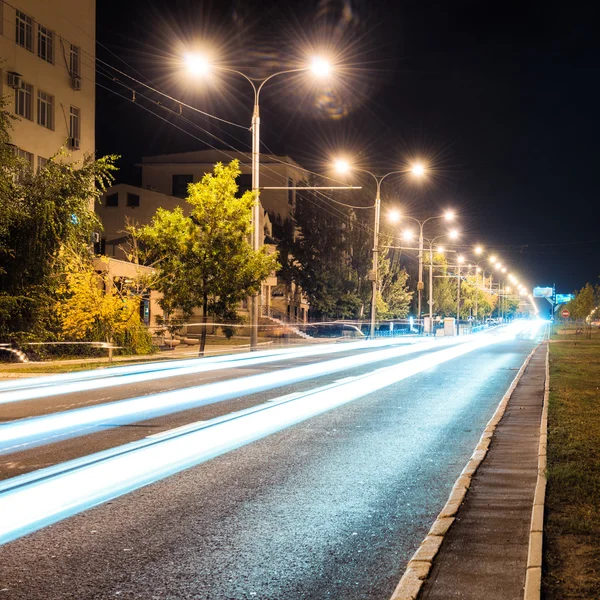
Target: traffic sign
<point x="564" y="313"/>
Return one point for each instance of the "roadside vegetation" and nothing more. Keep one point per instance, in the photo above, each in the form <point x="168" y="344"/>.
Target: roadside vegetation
<point x="572" y="528"/>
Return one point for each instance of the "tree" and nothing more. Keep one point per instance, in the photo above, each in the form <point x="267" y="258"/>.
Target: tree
<point x="42" y="212"/>
<point x="93" y="306"/>
<point x="444" y="288"/>
<point x="395" y="296"/>
<point x="328" y="257"/>
<point x="205" y="259"/>
<point x="585" y="301"/>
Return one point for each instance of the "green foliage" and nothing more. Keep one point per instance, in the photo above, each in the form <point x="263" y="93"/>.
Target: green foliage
<point x="42" y="212"/>
<point x="93" y="307"/>
<point x="585" y="301"/>
<point x="206" y="260"/>
<point x="394" y="296"/>
<point x="329" y="258"/>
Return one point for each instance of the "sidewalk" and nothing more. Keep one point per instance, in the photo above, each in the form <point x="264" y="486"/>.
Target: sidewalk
<point x="484" y="554"/>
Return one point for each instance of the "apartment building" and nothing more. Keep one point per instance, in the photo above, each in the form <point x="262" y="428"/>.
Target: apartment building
<point x="47" y="75"/>
<point x="170" y="174"/>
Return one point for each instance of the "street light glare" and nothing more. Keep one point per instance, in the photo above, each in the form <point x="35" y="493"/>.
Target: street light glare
<point x="478" y="249"/>
<point x="453" y="234"/>
<point x="418" y="170"/>
<point x="320" y="67"/>
<point x="394" y="216"/>
<point x="197" y="64"/>
<point x="449" y="215"/>
<point x="407" y="235"/>
<point x="461" y="259"/>
<point x="342" y="166"/>
<point x="440" y="250"/>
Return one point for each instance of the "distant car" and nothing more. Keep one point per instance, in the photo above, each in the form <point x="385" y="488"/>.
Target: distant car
<point x="491" y="321"/>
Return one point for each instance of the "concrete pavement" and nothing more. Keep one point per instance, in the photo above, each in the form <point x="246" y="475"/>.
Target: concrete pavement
<point x="481" y="548"/>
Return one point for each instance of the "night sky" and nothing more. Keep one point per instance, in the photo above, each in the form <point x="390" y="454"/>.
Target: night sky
<point x="501" y="99"/>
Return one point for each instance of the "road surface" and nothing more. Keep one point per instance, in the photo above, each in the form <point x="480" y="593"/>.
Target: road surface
<point x="311" y="479"/>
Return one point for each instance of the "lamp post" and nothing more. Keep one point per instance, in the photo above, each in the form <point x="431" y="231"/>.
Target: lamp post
<point x="342" y="166"/>
<point x="459" y="260"/>
<point x="449" y="216"/>
<point x="452" y="235"/>
<point x="199" y="65"/>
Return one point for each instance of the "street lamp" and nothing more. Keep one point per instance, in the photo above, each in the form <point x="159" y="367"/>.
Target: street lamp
<point x="199" y="65"/>
<point x="448" y="216"/>
<point x="343" y="166"/>
<point x="460" y="260"/>
<point x="440" y="250"/>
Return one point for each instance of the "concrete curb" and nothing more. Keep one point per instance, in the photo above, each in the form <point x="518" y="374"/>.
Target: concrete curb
<point x="419" y="566"/>
<point x="533" y="577"/>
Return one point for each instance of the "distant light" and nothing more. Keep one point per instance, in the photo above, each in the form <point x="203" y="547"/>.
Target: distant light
<point x="440" y="249"/>
<point x="342" y="166"/>
<point x="503" y="269"/>
<point x="449" y="215"/>
<point x="407" y="235"/>
<point x="453" y="234"/>
<point x="478" y="249"/>
<point x="493" y="259"/>
<point x="478" y="269"/>
<point x="320" y="67"/>
<point x="197" y="64"/>
<point x="461" y="259"/>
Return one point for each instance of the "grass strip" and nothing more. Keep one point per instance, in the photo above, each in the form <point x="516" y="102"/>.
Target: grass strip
<point x="572" y="526"/>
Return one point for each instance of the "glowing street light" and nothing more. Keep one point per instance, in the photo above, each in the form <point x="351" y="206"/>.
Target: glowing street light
<point x="320" y="67"/>
<point x="478" y="250"/>
<point x="199" y="65"/>
<point x="407" y="235"/>
<point x="342" y="166"/>
<point x="418" y="169"/>
<point x="448" y="216"/>
<point x="394" y="216"/>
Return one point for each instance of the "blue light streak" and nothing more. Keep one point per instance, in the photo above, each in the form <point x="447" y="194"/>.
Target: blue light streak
<point x="38" y="499"/>
<point x="35" y="431"/>
<point x="34" y="388"/>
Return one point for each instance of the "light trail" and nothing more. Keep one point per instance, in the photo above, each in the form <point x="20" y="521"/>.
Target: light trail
<point x="95" y="380"/>
<point x="35" y="431"/>
<point x="35" y="500"/>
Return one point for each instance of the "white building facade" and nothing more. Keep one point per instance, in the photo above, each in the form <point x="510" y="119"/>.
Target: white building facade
<point x="47" y="74"/>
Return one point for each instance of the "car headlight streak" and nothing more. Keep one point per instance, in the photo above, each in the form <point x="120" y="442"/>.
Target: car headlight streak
<point x="81" y="484"/>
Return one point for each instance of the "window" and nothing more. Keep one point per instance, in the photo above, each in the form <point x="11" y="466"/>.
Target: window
<point x="24" y="100"/>
<point x="180" y="184"/>
<point x="74" y="123"/>
<point x="74" y="62"/>
<point x="133" y="199"/>
<point x="244" y="184"/>
<point x="24" y="33"/>
<point x="45" y="43"/>
<point x="45" y="110"/>
<point x="42" y="162"/>
<point x="290" y="192"/>
<point x="25" y="155"/>
<point x="112" y="200"/>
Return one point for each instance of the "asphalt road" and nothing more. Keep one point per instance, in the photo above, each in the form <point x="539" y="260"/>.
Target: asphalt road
<point x="332" y="507"/>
